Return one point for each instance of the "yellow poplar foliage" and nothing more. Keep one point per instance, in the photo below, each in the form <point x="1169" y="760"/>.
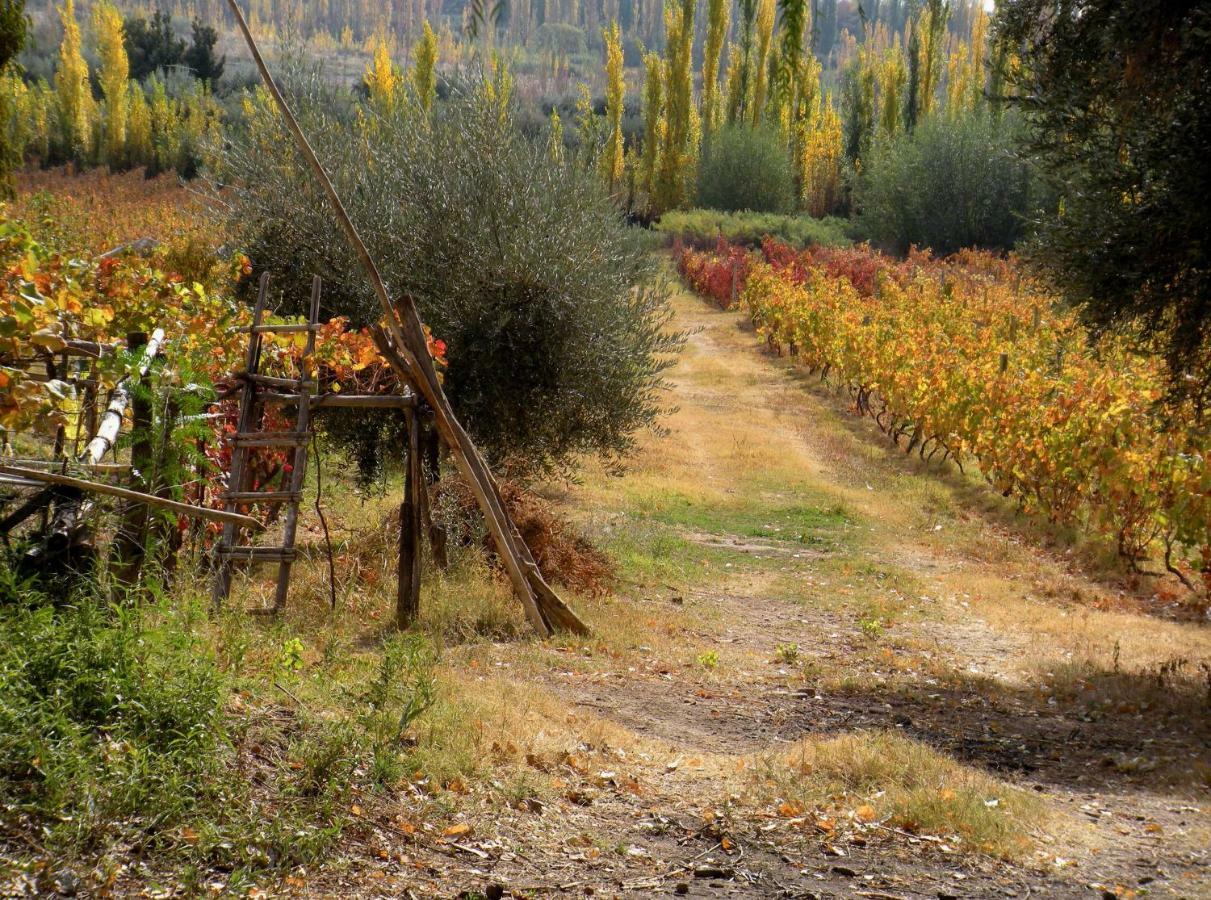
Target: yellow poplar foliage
<point x="932" y="29"/>
<point x="611" y="161"/>
<point x="15" y="121"/>
<point x="717" y="24"/>
<point x="965" y="69"/>
<point x="71" y="86"/>
<point x="765" y="37"/>
<point x="821" y="159"/>
<point x="138" y="124"/>
<point x="382" y="78"/>
<point x="893" y="76"/>
<point x="43" y="105"/>
<point x="424" y="72"/>
<point x="653" y="102"/>
<point x="678" y="153"/>
<point x="113" y="74"/>
<point x="498" y="88"/>
<point x="734" y="89"/>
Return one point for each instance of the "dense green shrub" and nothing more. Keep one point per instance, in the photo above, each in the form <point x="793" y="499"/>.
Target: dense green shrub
<point x="703" y="227"/>
<point x="551" y="307"/>
<point x="949" y="184"/>
<point x="745" y="168"/>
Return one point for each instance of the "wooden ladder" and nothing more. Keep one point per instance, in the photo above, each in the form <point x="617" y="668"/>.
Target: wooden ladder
<point x="296" y="392"/>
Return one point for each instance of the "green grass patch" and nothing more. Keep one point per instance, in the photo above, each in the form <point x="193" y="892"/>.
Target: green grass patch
<point x="794" y="522"/>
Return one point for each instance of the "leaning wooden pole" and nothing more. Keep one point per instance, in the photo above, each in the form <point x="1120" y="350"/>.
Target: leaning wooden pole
<point x="543" y="607"/>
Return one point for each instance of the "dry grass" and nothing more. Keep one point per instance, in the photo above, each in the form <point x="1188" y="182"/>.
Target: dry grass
<point x="883" y="779"/>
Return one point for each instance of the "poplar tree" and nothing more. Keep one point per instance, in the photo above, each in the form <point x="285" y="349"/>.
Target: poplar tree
<point x="113" y="74"/>
<point x="892" y="76"/>
<point x="733" y="98"/>
<point x="71" y="87"/>
<point x="653" y="110"/>
<point x="740" y="74"/>
<point x="859" y="104"/>
<point x="138" y="126"/>
<point x="424" y="70"/>
<point x="611" y="161"/>
<point x="765" y="37"/>
<point x="718" y="13"/>
<point x="912" y="94"/>
<point x="786" y="87"/>
<point x="15" y="98"/>
<point x="932" y="35"/>
<point x="677" y="156"/>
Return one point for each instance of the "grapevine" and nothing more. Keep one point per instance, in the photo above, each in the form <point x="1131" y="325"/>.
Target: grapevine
<point x="968" y="358"/>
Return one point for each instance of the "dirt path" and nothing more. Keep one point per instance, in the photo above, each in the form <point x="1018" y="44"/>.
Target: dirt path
<point x="849" y="592"/>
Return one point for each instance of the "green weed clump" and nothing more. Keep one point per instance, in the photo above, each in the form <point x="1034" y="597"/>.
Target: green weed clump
<point x="121" y="733"/>
<point x="704" y="227"/>
<point x="107" y="729"/>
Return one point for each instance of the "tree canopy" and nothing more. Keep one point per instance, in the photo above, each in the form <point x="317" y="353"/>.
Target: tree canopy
<point x="1119" y="101"/>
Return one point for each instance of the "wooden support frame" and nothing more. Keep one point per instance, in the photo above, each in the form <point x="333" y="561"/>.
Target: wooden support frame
<point x="235" y="477"/>
<point x="403" y="342"/>
<point x="302" y="426"/>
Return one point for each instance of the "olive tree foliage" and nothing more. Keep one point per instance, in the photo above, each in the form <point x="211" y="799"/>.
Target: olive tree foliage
<point x="554" y="315"/>
<point x="1118" y="100"/>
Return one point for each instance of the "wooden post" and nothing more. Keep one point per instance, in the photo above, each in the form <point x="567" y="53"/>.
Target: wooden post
<point x="437" y="531"/>
<point x="130" y="543"/>
<point x="407" y="598"/>
<point x="167" y="538"/>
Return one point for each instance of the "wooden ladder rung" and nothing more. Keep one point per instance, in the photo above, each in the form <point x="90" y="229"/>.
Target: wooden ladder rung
<point x="270" y="438"/>
<point x="258" y="554"/>
<point x="262" y="496"/>
<point x="291" y="384"/>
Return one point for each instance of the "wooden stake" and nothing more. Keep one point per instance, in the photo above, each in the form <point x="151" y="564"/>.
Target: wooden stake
<point x="130" y="543"/>
<point x="98" y="487"/>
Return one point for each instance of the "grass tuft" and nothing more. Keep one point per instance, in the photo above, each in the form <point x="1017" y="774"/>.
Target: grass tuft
<point x="909" y="786"/>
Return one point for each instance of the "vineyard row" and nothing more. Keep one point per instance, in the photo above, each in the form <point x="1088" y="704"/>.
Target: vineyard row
<point x="967" y="358"/>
